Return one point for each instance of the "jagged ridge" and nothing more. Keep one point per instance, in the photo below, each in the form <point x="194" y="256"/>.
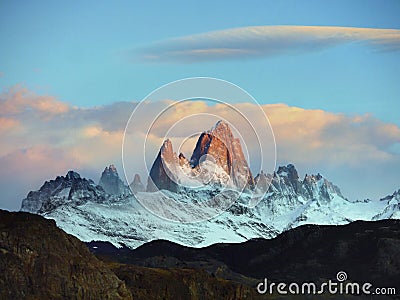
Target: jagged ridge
<point x="90" y="213"/>
<point x="217" y="154"/>
<point x="289" y="202"/>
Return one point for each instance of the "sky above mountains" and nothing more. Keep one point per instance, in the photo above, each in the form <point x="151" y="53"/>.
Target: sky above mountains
<point x="326" y="74"/>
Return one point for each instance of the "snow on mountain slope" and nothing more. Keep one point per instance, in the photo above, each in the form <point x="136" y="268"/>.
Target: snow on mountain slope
<point x="391" y="208"/>
<point x="71" y="189"/>
<point x="130" y="224"/>
<point x="206" y="189"/>
<point x="123" y="220"/>
<point x="291" y="202"/>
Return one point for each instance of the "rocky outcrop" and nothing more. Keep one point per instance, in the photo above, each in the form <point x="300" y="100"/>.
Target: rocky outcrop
<point x="111" y="182"/>
<point x="393" y="197"/>
<point x="163" y="172"/>
<point x="308" y="198"/>
<point x="183" y="162"/>
<point x="290" y="177"/>
<point x="392" y="210"/>
<point x="262" y="182"/>
<point x="137" y="185"/>
<point x="73" y="190"/>
<point x="226" y="151"/>
<point x="180" y="283"/>
<point x="70" y="189"/>
<point x="218" y="148"/>
<point x="40" y="261"/>
<point x="316" y="186"/>
<point x="286" y="182"/>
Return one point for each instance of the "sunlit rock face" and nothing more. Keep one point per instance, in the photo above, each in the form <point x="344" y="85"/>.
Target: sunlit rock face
<point x="222" y="153"/>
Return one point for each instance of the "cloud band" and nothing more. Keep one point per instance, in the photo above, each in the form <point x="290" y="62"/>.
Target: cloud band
<point x="264" y="41"/>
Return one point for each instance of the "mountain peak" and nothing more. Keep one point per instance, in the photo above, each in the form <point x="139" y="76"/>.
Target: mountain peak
<point x="71" y="175"/>
<point x="167" y="150"/>
<point x="313" y="177"/>
<point x="220" y="126"/>
<point x="167" y="144"/>
<point x="222" y="131"/>
<point x="227" y="152"/>
<point x="319" y="184"/>
<point x="160" y="175"/>
<point x="218" y="143"/>
<point x="288" y="171"/>
<point x="71" y="189"/>
<point x="137" y="185"/>
<point x="111" y="182"/>
<point x="137" y="179"/>
<point x="112" y="168"/>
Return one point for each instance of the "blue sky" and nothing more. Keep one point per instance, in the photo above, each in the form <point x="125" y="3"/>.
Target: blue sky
<point x="67" y="70"/>
<point x="77" y="51"/>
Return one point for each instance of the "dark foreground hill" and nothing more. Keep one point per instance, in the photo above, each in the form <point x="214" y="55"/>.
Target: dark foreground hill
<point x="40" y="261"/>
<point x="366" y="251"/>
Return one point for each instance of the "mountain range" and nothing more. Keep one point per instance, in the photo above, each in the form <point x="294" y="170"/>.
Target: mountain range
<point x="215" y="186"/>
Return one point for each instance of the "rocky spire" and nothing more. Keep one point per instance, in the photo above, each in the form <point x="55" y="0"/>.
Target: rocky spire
<point x="72" y="175"/>
<point x="137" y="185"/>
<point x="164" y="170"/>
<point x="111" y="182"/>
<point x="262" y="181"/>
<point x="290" y="177"/>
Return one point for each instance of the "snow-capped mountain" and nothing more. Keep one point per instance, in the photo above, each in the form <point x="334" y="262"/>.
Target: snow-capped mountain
<point x="392" y="209"/>
<point x="69" y="190"/>
<point x="291" y="202"/>
<point x="109" y="213"/>
<point x="226" y="151"/>
<point x="217" y="159"/>
<point x="123" y="220"/>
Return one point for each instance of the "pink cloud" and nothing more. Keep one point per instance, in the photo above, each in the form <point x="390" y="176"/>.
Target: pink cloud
<point x="23" y="170"/>
<point x="18" y="99"/>
<point x="37" y="146"/>
<point x="318" y="136"/>
<point x="7" y="124"/>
